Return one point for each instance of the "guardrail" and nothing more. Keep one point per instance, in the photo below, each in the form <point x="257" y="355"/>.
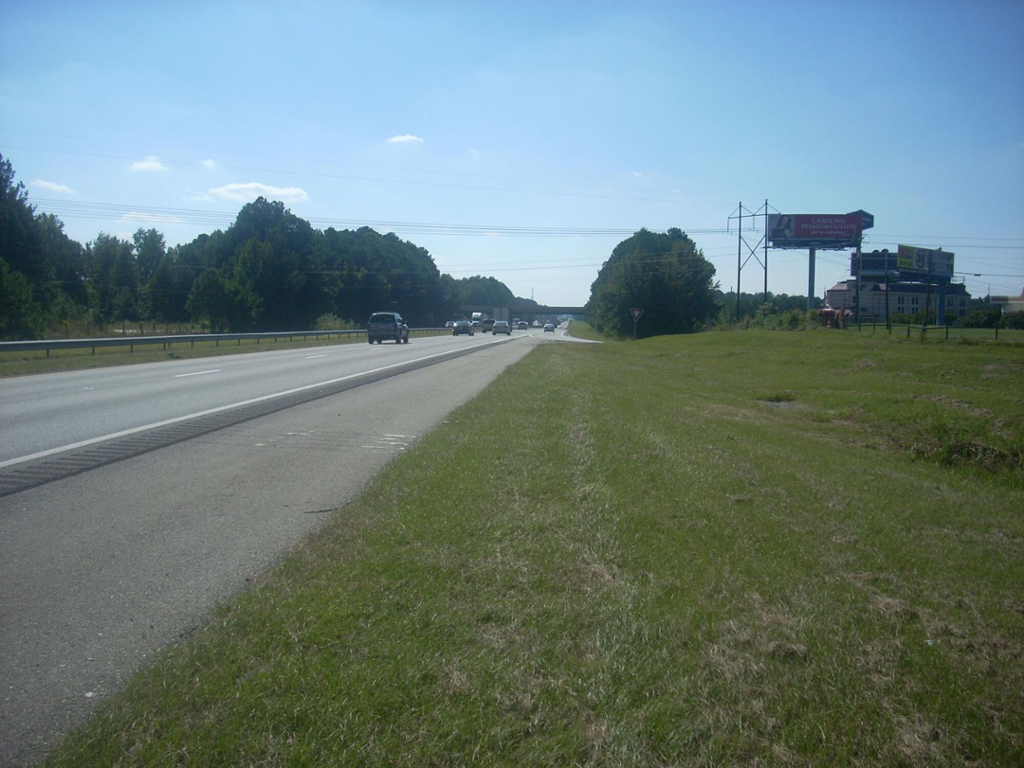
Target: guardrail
<point x="168" y="341"/>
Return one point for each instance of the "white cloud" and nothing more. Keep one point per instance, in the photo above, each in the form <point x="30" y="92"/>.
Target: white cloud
<point x="156" y="218"/>
<point x="52" y="187"/>
<point x="405" y="139"/>
<point x="474" y="152"/>
<point x="245" y="193"/>
<point x="637" y="175"/>
<point x="198" y="196"/>
<point x="151" y="163"/>
<point x="209" y="164"/>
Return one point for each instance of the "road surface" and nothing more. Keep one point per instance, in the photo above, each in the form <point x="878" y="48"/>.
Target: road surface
<point x="100" y="569"/>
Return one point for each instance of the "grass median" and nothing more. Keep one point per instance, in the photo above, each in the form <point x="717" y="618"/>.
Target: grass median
<point x="771" y="548"/>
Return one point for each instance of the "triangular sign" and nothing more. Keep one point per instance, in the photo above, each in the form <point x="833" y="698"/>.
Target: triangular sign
<point x="636" y="312"/>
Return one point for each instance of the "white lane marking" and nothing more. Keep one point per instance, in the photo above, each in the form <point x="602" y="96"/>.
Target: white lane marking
<point x="314" y="357"/>
<point x="222" y="408"/>
<point x="197" y="373"/>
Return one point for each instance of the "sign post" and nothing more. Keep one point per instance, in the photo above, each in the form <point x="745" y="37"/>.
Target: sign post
<point x="635" y="312"/>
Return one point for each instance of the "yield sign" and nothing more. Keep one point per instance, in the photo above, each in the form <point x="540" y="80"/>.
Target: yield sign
<point x="636" y="312"/>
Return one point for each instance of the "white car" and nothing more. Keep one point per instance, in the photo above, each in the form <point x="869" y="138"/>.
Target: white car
<point x="549" y="327"/>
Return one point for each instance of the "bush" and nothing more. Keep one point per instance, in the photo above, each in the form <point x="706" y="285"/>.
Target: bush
<point x="981" y="318"/>
<point x="1014" y="320"/>
<point x="330" y="322"/>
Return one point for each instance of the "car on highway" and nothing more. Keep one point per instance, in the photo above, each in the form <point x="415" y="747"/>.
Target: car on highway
<point x="501" y="326"/>
<point x="549" y="327"/>
<point x="486" y="325"/>
<point x="523" y="325"/>
<point x="387" y="325"/>
<point x="462" y="327"/>
<point x="450" y="324"/>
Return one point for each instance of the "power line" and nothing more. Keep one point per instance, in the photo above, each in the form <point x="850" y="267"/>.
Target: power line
<point x="329" y="161"/>
<point x="343" y="177"/>
<point x="162" y="215"/>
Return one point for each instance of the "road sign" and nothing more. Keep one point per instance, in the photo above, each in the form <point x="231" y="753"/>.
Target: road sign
<point x="635" y="312"/>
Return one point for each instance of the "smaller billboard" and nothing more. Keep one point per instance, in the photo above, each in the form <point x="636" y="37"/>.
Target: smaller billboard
<point x="815" y="230"/>
<point x="924" y="261"/>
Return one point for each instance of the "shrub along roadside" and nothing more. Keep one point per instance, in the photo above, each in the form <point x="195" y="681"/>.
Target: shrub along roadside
<point x="674" y="561"/>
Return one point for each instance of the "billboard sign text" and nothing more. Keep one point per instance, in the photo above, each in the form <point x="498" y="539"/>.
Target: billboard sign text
<point x="814" y="230"/>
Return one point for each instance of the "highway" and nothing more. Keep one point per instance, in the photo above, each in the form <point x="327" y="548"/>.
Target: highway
<point x="44" y="413"/>
<point x="101" y="569"/>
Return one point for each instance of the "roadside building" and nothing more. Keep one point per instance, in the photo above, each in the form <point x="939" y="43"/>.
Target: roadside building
<point x="903" y="298"/>
<point x="1008" y="303"/>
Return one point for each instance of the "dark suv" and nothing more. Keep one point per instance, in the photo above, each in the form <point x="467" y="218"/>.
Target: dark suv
<point x="387" y="325"/>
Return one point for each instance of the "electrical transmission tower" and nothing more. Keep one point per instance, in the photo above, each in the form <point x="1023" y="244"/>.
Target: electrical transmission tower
<point x="743" y="244"/>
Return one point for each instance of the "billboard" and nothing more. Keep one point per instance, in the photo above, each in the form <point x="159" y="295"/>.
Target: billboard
<point x="876" y="264"/>
<point x="815" y="230"/>
<point x="921" y="262"/>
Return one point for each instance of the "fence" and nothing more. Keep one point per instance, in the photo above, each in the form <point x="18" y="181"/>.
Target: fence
<point x="941" y="332"/>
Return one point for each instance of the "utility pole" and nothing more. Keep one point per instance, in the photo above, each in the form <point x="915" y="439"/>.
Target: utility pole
<point x="751" y="250"/>
<point x="739" y="261"/>
<point x="766" y="250"/>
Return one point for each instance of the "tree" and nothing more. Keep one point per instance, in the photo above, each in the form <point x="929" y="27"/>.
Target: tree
<point x="21" y="316"/>
<point x="114" y="278"/>
<point x="149" y="249"/>
<point x="485" y="291"/>
<point x="665" y="275"/>
<point x="1014" y="320"/>
<point x="225" y="304"/>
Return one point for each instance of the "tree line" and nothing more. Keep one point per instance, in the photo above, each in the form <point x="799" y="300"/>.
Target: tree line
<point x="272" y="271"/>
<point x="269" y="270"/>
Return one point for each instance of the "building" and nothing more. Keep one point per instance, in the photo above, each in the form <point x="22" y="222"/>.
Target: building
<point x="1008" y="303"/>
<point x="903" y="298"/>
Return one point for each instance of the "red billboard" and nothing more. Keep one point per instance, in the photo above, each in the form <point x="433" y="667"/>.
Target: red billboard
<point x="815" y="230"/>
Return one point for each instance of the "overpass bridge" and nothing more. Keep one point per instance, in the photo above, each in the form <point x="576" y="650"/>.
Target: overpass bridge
<point x="528" y="312"/>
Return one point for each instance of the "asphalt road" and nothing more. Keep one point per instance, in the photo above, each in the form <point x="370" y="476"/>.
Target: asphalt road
<point x="101" y="569"/>
<point x="41" y="413"/>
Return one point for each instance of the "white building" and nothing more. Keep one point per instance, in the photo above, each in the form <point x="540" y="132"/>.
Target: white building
<point x="1008" y="303"/>
<point x="903" y="298"/>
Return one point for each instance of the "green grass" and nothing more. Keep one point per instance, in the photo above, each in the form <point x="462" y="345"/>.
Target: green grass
<point x="728" y="548"/>
<point x="582" y="330"/>
<point x="939" y="334"/>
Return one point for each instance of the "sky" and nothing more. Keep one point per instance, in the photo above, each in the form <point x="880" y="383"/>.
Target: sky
<point x="524" y="140"/>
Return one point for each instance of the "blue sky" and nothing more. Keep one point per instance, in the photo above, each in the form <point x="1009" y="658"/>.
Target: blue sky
<point x="524" y="140"/>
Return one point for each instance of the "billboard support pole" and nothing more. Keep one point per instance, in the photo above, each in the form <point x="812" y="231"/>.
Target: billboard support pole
<point x="859" y="292"/>
<point x="810" y="279"/>
<point x="927" y="295"/>
<point x="887" y="324"/>
<point x="940" y="301"/>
